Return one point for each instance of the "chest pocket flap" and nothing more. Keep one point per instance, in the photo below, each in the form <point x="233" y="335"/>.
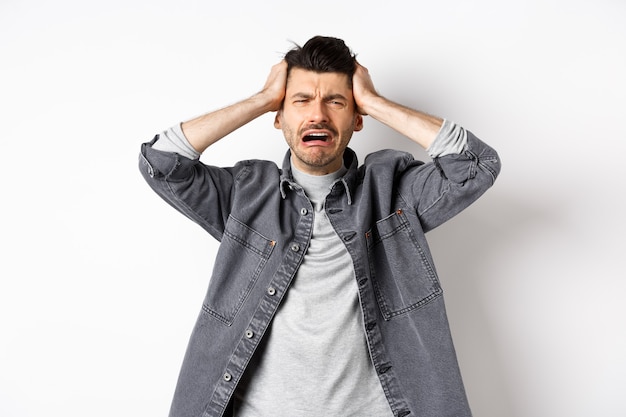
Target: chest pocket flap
<point x="402" y="272"/>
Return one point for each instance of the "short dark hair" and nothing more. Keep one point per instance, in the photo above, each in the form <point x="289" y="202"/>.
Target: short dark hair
<point x="322" y="54"/>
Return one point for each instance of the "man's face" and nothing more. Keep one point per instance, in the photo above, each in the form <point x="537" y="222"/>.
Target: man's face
<point x="317" y="119"/>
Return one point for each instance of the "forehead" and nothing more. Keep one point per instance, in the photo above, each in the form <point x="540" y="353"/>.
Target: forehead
<point x="301" y="80"/>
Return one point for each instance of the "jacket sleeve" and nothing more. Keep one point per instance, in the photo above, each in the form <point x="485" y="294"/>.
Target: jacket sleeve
<point x="202" y="193"/>
<point x="443" y="188"/>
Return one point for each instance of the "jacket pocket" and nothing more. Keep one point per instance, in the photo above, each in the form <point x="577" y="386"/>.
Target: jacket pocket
<point x="402" y="272"/>
<point x="241" y="257"/>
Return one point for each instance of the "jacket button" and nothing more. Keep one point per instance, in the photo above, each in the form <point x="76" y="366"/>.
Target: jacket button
<point x="227" y="377"/>
<point x="295" y="247"/>
<point x="271" y="291"/>
<point x="249" y="334"/>
<point x="384" y="369"/>
<point x="304" y="211"/>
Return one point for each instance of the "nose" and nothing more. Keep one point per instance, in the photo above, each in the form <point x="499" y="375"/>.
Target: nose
<point x="318" y="112"/>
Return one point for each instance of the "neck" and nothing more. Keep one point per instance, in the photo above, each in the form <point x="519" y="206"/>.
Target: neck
<point x="316" y="186"/>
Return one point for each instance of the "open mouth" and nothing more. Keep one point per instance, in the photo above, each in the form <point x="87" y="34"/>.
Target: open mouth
<point x="321" y="136"/>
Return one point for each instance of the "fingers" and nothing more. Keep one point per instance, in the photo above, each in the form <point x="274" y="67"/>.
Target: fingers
<point x="362" y="88"/>
<point x="276" y="84"/>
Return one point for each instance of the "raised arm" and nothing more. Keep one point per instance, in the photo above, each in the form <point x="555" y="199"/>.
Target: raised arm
<point x="420" y="127"/>
<point x="205" y="130"/>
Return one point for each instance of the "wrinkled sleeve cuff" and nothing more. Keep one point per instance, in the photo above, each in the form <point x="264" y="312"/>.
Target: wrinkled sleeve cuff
<point x="174" y="140"/>
<point x="451" y="139"/>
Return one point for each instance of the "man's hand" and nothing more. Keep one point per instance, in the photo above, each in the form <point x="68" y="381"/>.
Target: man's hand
<point x="420" y="127"/>
<point x="205" y="130"/>
<point x="362" y="88"/>
<point x="274" y="89"/>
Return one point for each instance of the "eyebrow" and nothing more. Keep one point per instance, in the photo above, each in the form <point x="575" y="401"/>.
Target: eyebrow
<point x="335" y="96"/>
<point x="326" y="98"/>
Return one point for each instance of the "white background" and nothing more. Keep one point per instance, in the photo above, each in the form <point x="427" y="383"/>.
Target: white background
<point x="101" y="281"/>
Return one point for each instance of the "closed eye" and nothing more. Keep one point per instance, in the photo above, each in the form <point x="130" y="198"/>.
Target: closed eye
<point x="301" y="101"/>
<point x="337" y="104"/>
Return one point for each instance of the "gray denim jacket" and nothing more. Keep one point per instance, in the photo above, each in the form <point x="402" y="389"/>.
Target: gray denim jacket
<point x="381" y="210"/>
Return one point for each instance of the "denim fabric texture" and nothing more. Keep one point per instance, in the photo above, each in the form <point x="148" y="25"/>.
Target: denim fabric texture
<point x="262" y="218"/>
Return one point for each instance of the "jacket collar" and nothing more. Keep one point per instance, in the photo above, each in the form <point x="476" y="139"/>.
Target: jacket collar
<point x="349" y="180"/>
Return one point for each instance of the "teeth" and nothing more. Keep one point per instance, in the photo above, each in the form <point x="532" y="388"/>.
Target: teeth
<point x="316" y="136"/>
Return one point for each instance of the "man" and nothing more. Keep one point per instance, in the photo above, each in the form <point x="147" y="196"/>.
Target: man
<point x="324" y="300"/>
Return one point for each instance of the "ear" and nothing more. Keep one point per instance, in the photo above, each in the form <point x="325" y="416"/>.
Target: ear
<point x="358" y="123"/>
<point x="277" y="124"/>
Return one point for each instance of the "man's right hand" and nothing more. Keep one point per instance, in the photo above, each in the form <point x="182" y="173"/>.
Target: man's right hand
<point x="274" y="89"/>
<point x="205" y="130"/>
